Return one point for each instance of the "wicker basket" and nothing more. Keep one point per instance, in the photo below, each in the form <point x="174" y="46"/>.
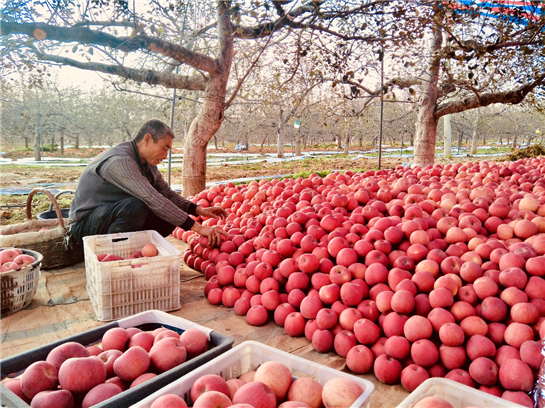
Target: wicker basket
<point x="44" y="236"/>
<point x="18" y="287"/>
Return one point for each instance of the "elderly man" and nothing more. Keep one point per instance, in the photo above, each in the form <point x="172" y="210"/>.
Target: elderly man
<point x="122" y="190"/>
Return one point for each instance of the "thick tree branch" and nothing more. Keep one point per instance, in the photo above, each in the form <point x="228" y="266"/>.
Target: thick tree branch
<point x="84" y="35"/>
<point x="193" y="83"/>
<point x="513" y="97"/>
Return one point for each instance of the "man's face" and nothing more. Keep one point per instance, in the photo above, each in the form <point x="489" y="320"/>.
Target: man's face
<point x="156" y="152"/>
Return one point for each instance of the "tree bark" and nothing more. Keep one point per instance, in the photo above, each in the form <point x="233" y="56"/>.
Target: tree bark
<point x="297" y="137"/>
<point x="281" y="141"/>
<point x="76" y="144"/>
<point x="52" y="143"/>
<point x="212" y="112"/>
<point x="474" y="138"/>
<point x="347" y="144"/>
<point x="62" y="145"/>
<point x="426" y="128"/>
<point x="38" y="131"/>
<point x="339" y="143"/>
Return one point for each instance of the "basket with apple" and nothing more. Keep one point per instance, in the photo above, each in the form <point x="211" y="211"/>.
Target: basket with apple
<point x="44" y="236"/>
<point x="19" y="274"/>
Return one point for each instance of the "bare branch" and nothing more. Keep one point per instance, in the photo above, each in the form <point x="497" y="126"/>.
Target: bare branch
<point x="471" y="102"/>
<point x="194" y="83"/>
<point x="84" y="35"/>
<point x="248" y="71"/>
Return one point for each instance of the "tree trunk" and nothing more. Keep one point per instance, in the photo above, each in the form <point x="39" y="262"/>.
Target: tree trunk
<point x="52" y="143"/>
<point x="339" y="143"/>
<point x="474" y="136"/>
<point x="426" y="128"/>
<point x="515" y="141"/>
<point x="281" y="141"/>
<point x="212" y="112"/>
<point x="281" y="126"/>
<point x="26" y="142"/>
<point x="62" y="145"/>
<point x="297" y="137"/>
<point x="347" y="144"/>
<point x="76" y="144"/>
<point x="216" y="142"/>
<point x="447" y="129"/>
<point x="38" y="132"/>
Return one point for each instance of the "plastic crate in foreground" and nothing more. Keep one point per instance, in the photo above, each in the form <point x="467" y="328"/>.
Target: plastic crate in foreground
<point x="459" y="395"/>
<point x="248" y="356"/>
<point x="218" y="343"/>
<point x="123" y="288"/>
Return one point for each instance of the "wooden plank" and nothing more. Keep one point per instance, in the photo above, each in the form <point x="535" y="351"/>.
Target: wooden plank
<point x="61" y="307"/>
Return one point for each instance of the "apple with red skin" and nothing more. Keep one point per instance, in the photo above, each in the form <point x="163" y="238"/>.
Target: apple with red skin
<point x="255" y="394"/>
<point x="116" y="338"/>
<point x="167" y="353"/>
<point x="412" y="376"/>
<point x="61" y="353"/>
<point x="169" y="400"/>
<point x="305" y="390"/>
<point x="81" y="374"/>
<point x="294" y="324"/>
<point x="39" y="376"/>
<point x="341" y="392"/>
<point x="387" y="369"/>
<point x="53" y="398"/>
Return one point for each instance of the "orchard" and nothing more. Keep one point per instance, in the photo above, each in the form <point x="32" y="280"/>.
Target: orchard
<point x="408" y="273"/>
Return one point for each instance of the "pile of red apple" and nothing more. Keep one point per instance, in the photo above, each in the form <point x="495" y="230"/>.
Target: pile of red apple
<point x="409" y="272"/>
<point x="270" y="386"/>
<point x="147" y="251"/>
<point x="75" y="375"/>
<point x="13" y="259"/>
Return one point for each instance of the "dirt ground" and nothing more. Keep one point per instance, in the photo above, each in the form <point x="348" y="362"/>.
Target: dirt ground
<point x="12" y="208"/>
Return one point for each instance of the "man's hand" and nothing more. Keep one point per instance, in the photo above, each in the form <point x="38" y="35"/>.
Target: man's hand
<point x="213" y="234"/>
<point x="211" y="212"/>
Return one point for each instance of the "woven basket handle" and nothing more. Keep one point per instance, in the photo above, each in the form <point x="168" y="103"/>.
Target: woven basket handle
<point x="53" y="202"/>
<point x="59" y="194"/>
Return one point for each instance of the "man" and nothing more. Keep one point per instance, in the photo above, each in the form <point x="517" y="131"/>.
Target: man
<point x="122" y="190"/>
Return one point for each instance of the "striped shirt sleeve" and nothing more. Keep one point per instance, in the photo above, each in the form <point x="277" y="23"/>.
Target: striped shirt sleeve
<point x="124" y="173"/>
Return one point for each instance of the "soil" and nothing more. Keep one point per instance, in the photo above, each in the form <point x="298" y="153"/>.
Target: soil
<point x="12" y="208"/>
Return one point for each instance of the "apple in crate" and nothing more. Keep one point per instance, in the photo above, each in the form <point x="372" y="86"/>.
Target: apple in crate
<point x="195" y="342"/>
<point x="53" y="398"/>
<point x="169" y="400"/>
<point x="100" y="393"/>
<point x="149" y="250"/>
<point x="167" y="353"/>
<point x="340" y="392"/>
<point x="67" y="350"/>
<point x="39" y="376"/>
<point x="207" y="383"/>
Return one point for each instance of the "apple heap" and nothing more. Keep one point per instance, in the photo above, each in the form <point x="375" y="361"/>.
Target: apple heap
<point x="13" y="259"/>
<point x="408" y="272"/>
<point x="149" y="250"/>
<point x="270" y="386"/>
<point x="75" y="375"/>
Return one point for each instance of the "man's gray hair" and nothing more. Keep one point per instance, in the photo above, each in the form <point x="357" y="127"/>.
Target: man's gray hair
<point x="157" y="129"/>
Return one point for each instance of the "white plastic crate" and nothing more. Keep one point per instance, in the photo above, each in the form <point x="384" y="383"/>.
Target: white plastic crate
<point x="248" y="356"/>
<point x="122" y="288"/>
<point x="459" y="395"/>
